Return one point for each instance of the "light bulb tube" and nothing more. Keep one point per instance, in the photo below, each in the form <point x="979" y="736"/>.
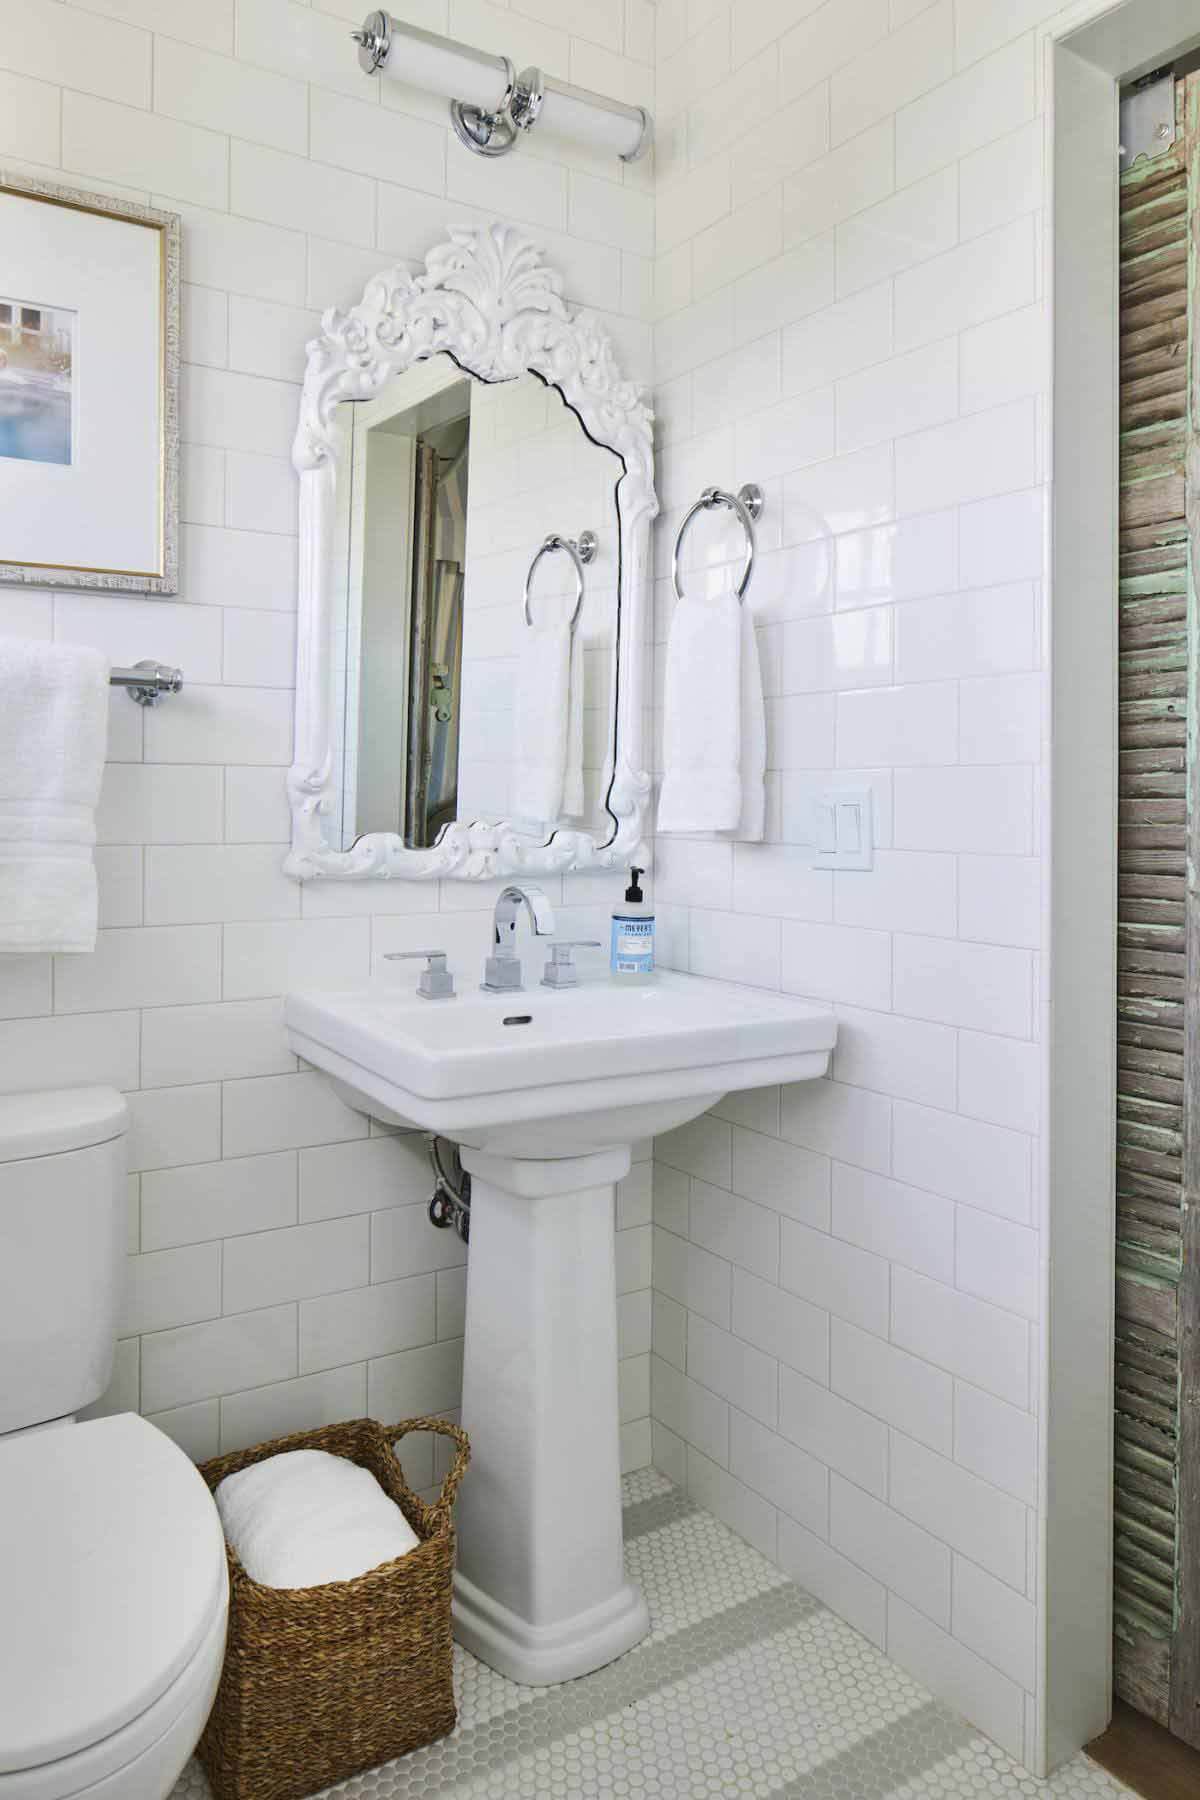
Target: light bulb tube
<point x="423" y="59"/>
<point x="591" y="119"/>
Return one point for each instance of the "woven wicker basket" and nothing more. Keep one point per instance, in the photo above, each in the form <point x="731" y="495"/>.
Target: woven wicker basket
<point x="321" y="1682"/>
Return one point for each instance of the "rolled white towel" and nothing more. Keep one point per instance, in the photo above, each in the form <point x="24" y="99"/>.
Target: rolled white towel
<point x="305" y="1518"/>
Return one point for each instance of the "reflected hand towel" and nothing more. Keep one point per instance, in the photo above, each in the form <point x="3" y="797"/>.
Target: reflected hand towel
<point x="548" y="727"/>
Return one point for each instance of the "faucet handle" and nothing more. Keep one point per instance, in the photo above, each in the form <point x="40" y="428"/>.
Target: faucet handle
<point x="561" y="971"/>
<point x="502" y="973"/>
<point x="436" y="983"/>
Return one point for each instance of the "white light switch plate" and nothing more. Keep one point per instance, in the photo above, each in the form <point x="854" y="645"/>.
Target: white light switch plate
<point x="845" y="829"/>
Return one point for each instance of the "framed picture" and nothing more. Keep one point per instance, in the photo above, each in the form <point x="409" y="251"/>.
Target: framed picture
<point x="89" y="390"/>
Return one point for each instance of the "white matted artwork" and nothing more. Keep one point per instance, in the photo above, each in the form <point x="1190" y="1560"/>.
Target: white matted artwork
<point x="89" y="363"/>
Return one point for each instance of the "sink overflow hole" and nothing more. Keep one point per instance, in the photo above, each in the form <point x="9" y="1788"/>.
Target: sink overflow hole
<point x="519" y="1019"/>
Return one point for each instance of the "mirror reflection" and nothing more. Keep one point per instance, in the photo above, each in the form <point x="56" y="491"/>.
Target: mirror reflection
<point x="477" y="609"/>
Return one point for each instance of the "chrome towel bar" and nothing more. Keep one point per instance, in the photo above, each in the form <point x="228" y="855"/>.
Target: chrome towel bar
<point x="747" y="503"/>
<point x="147" y="682"/>
<point x="581" y="550"/>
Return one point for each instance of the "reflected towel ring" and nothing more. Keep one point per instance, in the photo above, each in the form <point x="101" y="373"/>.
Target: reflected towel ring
<point x="747" y="503"/>
<point x="580" y="551"/>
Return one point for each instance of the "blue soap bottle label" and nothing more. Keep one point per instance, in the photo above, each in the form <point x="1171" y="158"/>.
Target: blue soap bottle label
<point x="632" y="945"/>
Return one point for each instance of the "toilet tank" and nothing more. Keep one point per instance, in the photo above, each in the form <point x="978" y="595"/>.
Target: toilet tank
<point x="62" y="1249"/>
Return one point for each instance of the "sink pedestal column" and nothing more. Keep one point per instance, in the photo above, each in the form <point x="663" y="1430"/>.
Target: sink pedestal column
<point x="540" y="1592"/>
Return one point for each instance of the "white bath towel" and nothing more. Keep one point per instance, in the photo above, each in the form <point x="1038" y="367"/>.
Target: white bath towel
<point x="53" y="732"/>
<point x="548" y="725"/>
<point x="714" y="720"/>
<point x="305" y="1517"/>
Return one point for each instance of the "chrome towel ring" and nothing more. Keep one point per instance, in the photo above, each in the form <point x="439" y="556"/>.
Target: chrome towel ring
<point x="747" y="503"/>
<point x="581" y="550"/>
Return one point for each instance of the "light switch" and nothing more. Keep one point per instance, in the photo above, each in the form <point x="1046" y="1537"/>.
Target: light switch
<point x="845" y="831"/>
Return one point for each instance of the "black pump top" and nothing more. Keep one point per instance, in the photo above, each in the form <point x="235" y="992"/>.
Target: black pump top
<point x="633" y="892"/>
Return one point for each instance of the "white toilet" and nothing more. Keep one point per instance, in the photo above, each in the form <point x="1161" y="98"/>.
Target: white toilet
<point x="113" y="1589"/>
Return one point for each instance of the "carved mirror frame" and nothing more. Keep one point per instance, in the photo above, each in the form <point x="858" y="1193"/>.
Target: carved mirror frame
<point x="487" y="300"/>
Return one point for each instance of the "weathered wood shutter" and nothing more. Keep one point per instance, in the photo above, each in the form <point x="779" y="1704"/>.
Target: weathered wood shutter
<point x="1157" y="1533"/>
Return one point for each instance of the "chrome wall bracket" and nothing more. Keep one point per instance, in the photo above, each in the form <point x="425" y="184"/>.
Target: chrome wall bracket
<point x="147" y="682"/>
<point x="489" y="133"/>
<point x="527" y="101"/>
<point x="374" y="40"/>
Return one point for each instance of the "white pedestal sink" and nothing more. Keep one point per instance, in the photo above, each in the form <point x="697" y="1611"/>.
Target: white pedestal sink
<point x="544" y="1091"/>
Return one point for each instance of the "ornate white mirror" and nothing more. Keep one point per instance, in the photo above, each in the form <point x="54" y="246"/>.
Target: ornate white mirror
<point x="476" y="491"/>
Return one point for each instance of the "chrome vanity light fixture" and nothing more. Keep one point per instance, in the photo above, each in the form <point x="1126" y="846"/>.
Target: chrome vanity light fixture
<point x="490" y="104"/>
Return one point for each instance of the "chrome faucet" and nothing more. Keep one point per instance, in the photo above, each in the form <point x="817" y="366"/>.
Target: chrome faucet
<point x="502" y="971"/>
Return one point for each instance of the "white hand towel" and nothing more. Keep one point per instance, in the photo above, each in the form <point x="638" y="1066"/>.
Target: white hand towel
<point x="714" y="721"/>
<point x="572" y="803"/>
<point x="304" y="1517"/>
<point x="53" y="732"/>
<point x="548" y="727"/>
<point x="752" y="818"/>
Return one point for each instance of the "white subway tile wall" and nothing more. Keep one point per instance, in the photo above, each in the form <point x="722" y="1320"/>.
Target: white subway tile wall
<point x="283" y="1271"/>
<point x="841" y="1350"/>
<point x="850" y="309"/>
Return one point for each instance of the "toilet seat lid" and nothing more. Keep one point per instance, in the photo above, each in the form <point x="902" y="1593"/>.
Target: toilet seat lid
<point x="58" y="1119"/>
<point x="112" y="1566"/>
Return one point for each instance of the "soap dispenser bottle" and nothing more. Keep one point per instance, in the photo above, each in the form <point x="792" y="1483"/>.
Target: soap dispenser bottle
<point x="631" y="959"/>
